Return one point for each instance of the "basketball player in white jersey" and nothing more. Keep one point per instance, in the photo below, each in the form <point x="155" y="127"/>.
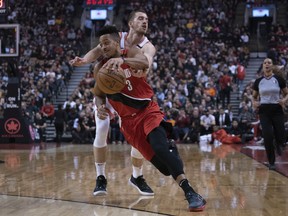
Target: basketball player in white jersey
<point x="138" y="25"/>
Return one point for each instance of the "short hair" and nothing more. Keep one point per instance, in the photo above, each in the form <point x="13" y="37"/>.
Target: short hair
<point x="133" y="13"/>
<point x="109" y="29"/>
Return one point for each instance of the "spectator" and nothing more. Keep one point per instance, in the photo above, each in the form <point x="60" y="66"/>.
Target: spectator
<point x="225" y="83"/>
<point x="246" y="117"/>
<point x="222" y="119"/>
<point x="241" y="73"/>
<point x="40" y="126"/>
<point x="182" y="125"/>
<point x="69" y="102"/>
<point x="207" y="122"/>
<point x="234" y="129"/>
<point x="115" y="135"/>
<point x="60" y="119"/>
<point x="47" y="110"/>
<point x="195" y="127"/>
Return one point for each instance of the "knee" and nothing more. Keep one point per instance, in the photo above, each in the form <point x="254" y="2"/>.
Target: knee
<point x="165" y="172"/>
<point x="135" y="153"/>
<point x="158" y="149"/>
<point x="158" y="140"/>
<point x="100" y="140"/>
<point x="161" y="167"/>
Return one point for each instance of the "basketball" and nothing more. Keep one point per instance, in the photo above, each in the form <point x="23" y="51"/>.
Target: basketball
<point x="111" y="81"/>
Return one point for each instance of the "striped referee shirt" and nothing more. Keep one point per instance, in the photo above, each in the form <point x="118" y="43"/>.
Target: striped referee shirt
<point x="269" y="88"/>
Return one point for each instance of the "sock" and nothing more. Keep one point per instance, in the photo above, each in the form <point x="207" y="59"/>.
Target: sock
<point x="100" y="169"/>
<point x="137" y="171"/>
<point x="186" y="187"/>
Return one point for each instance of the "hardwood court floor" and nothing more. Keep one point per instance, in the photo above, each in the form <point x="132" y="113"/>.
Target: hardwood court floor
<point x="59" y="180"/>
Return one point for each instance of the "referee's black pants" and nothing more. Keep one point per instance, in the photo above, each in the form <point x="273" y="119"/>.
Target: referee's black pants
<point x="272" y="122"/>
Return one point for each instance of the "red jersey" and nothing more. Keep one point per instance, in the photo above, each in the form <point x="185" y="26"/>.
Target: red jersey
<point x="48" y="110"/>
<point x="241" y="72"/>
<point x="137" y="93"/>
<point x="139" y="114"/>
<point x="224" y="81"/>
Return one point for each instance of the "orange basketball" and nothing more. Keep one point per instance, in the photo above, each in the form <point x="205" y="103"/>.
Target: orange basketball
<point x="111" y="81"/>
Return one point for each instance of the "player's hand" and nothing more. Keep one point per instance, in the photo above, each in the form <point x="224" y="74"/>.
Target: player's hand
<point x="139" y="73"/>
<point x="102" y="112"/>
<point x="78" y="61"/>
<point x="113" y="63"/>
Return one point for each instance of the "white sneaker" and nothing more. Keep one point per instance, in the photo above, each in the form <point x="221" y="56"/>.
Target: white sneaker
<point x="255" y="123"/>
<point x="260" y="142"/>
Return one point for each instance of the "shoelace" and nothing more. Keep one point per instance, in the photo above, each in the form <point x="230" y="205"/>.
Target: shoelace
<point x="141" y="181"/>
<point x="190" y="195"/>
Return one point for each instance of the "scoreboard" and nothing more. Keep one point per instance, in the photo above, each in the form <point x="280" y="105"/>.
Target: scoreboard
<point x="3" y="6"/>
<point x="95" y="3"/>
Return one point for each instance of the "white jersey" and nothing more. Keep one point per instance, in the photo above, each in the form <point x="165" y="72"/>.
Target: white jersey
<point x="207" y="120"/>
<point x="123" y="36"/>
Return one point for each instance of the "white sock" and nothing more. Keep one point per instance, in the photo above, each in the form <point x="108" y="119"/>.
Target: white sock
<point x="137" y="171"/>
<point x="100" y="169"/>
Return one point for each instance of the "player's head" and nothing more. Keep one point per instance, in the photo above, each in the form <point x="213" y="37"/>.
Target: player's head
<point x="109" y="41"/>
<point x="267" y="65"/>
<point x="138" y="21"/>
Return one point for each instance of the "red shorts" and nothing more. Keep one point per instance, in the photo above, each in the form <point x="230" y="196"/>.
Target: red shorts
<point x="136" y="128"/>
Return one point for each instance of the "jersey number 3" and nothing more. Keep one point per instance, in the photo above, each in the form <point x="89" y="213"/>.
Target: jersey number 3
<point x="129" y="85"/>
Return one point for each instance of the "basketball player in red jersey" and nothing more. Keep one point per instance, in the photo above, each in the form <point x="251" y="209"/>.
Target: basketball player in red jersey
<point x="138" y="24"/>
<point x="141" y="119"/>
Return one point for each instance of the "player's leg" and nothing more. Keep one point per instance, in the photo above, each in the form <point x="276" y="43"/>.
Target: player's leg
<point x="279" y="132"/>
<point x="158" y="141"/>
<point x="137" y="180"/>
<point x="100" y="150"/>
<point x="267" y="132"/>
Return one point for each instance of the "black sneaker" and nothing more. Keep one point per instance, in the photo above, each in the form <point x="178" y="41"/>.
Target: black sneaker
<point x="272" y="167"/>
<point x="278" y="148"/>
<point x="196" y="202"/>
<point x="101" y="184"/>
<point x="141" y="185"/>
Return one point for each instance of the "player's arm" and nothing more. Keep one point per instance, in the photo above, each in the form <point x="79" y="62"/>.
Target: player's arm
<point x="135" y="59"/>
<point x="255" y="101"/>
<point x="92" y="56"/>
<point x="95" y="90"/>
<point x="149" y="51"/>
<point x="100" y="97"/>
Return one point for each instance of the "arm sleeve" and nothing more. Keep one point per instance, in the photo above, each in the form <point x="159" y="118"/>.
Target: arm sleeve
<point x="256" y="85"/>
<point x="281" y="81"/>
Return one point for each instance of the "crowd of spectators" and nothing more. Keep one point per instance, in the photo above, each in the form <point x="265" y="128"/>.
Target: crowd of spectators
<point x="195" y="68"/>
<point x="48" y="40"/>
<point x="277" y="42"/>
<point x="199" y="51"/>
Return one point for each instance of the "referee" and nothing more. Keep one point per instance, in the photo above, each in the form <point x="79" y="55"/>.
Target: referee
<point x="267" y="91"/>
